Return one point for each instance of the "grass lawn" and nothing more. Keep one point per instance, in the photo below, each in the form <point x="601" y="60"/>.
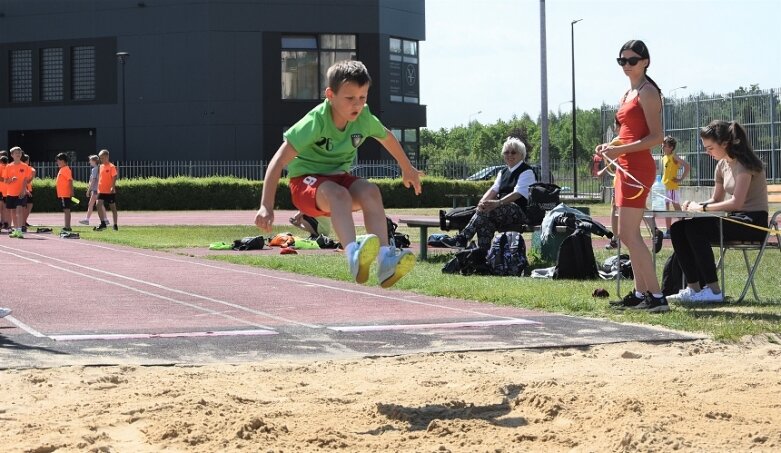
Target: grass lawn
<point x="726" y="322"/>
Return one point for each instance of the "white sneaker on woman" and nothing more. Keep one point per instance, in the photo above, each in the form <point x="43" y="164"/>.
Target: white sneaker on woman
<point x="684" y="295"/>
<point x="707" y="296"/>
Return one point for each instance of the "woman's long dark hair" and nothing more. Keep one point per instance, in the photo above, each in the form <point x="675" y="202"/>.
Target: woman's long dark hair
<point x="639" y="47"/>
<point x="734" y="136"/>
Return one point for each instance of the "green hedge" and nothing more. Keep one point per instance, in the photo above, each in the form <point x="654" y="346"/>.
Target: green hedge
<point x="181" y="193"/>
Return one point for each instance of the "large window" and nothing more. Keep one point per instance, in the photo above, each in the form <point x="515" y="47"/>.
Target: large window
<point x="83" y="73"/>
<point x="21" y="76"/>
<point x="79" y="71"/>
<point x="52" y="88"/>
<point x="306" y="59"/>
<point x="409" y="141"/>
<point x="403" y="81"/>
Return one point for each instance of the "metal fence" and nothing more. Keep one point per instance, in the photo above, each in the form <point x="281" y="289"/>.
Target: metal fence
<point x="757" y="111"/>
<point x="254" y="170"/>
<point x="561" y="172"/>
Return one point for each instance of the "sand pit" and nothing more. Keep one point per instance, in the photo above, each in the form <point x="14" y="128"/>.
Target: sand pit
<point x="695" y="396"/>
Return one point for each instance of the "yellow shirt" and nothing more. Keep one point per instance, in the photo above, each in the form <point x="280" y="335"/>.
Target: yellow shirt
<point x="670" y="172"/>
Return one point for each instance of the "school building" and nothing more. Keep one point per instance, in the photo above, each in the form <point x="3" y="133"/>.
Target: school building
<point x="200" y="80"/>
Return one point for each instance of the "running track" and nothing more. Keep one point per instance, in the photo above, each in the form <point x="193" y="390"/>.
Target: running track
<point x="80" y="302"/>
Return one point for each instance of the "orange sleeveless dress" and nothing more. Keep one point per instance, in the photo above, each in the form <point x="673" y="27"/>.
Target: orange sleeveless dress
<point x="639" y="163"/>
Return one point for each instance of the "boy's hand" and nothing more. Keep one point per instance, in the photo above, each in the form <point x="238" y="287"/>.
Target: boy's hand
<point x="264" y="219"/>
<point x="411" y="177"/>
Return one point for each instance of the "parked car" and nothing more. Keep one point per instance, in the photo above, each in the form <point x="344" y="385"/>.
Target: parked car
<point x="486" y="173"/>
<point x="375" y="171"/>
<point x="489" y="173"/>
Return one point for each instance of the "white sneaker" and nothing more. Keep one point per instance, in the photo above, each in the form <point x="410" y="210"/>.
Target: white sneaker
<point x="706" y="296"/>
<point x="684" y="295"/>
<point x="360" y="256"/>
<point x="393" y="266"/>
<point x="4" y="312"/>
<point x="84" y="222"/>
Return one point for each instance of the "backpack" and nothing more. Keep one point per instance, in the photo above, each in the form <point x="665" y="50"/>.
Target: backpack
<point x="673" y="279"/>
<point x="397" y="239"/>
<point x="576" y="259"/>
<point x="435" y="240"/>
<point x="542" y="197"/>
<point x="456" y="218"/>
<point x="468" y="262"/>
<point x="249" y="243"/>
<point x="507" y="255"/>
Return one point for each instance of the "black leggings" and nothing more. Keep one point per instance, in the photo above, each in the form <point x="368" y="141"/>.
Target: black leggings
<point x="692" y="239"/>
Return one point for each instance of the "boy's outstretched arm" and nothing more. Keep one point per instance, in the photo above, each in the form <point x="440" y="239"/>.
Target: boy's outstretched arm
<point x="410" y="175"/>
<point x="264" y="219"/>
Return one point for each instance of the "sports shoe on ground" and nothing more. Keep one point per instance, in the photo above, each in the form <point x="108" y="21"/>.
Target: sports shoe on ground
<point x="456" y="242"/>
<point x="84" y="222"/>
<point x="658" y="240"/>
<point x="24" y="229"/>
<point x="706" y="296"/>
<point x="67" y="229"/>
<point x="4" y="312"/>
<point x="684" y="295"/>
<point x="361" y="255"/>
<point x="17" y="234"/>
<point x="116" y="227"/>
<point x="100" y="227"/>
<point x="630" y="300"/>
<point x="393" y="266"/>
<point x="613" y="244"/>
<point x="652" y="304"/>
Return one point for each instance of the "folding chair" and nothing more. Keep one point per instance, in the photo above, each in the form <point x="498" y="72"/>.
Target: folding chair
<point x="745" y="246"/>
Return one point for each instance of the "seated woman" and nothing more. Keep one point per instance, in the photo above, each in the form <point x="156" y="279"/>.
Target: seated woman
<point x="739" y="173"/>
<point x="504" y="203"/>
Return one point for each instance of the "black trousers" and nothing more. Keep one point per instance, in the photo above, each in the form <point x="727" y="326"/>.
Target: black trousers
<point x="692" y="239"/>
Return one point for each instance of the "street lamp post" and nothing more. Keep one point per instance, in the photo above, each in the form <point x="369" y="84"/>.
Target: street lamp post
<point x="469" y="127"/>
<point x="122" y="57"/>
<point x="574" y="113"/>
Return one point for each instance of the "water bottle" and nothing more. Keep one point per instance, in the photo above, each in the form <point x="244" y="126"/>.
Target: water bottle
<point x="658" y="193"/>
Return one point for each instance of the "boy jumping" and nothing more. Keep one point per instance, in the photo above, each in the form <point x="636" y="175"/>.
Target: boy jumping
<point x="318" y="151"/>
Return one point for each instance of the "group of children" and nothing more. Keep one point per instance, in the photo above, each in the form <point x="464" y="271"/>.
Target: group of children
<point x="16" y="198"/>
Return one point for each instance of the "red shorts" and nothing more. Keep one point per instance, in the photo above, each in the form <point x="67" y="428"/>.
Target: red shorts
<point x="303" y="190"/>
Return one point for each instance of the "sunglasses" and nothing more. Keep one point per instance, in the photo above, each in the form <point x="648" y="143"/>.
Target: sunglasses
<point x="631" y="60"/>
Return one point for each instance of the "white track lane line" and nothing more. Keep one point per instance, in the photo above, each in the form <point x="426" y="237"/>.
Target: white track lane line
<point x="299" y="282"/>
<point x="24" y="327"/>
<point x="155" y="285"/>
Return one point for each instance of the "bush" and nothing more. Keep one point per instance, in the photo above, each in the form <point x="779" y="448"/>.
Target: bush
<point x="183" y="193"/>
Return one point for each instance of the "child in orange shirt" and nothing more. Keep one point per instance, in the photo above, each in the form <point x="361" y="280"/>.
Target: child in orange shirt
<point x="107" y="190"/>
<point x="17" y="174"/>
<point x="65" y="189"/>
<point x="3" y="211"/>
<point x="29" y="208"/>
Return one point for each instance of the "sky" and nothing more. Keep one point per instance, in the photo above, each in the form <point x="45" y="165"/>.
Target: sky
<point x="484" y="55"/>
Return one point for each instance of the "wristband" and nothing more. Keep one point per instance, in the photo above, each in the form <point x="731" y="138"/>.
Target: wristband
<point x="704" y="206"/>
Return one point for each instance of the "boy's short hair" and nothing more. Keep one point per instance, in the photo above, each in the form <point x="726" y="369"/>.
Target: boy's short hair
<point x="671" y="141"/>
<point x="103" y="152"/>
<point x="15" y="149"/>
<point x="3" y="159"/>
<point x="94" y="158"/>
<point x="347" y="71"/>
<point x="63" y="157"/>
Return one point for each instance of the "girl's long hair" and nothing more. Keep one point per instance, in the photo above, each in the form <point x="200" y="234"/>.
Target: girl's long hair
<point x="734" y="136"/>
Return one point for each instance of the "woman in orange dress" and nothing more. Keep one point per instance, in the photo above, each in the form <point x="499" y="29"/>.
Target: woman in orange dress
<point x="640" y="119"/>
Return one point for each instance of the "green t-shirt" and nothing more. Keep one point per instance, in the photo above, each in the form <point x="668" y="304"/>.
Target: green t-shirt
<point x="322" y="148"/>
